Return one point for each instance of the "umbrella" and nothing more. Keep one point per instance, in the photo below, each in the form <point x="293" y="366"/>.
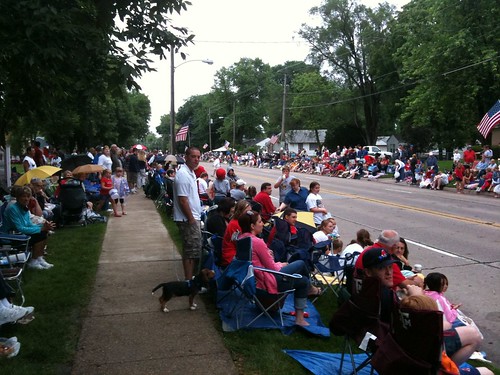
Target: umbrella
<point x="171" y="159"/>
<point x="88" y="168"/>
<point x="140" y="147"/>
<point x="74" y="161"/>
<point x="40" y="172"/>
<point x="305" y="220"/>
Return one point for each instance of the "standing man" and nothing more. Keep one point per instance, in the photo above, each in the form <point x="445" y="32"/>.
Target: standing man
<point x="283" y="183"/>
<point x="469" y="156"/>
<point x="114" y="158"/>
<point x="29" y="161"/>
<point x="133" y="171"/>
<point x="39" y="159"/>
<point x="187" y="211"/>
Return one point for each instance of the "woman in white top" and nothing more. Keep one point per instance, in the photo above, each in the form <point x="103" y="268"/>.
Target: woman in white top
<point x="105" y="159"/>
<point x="28" y="161"/>
<point x="315" y="205"/>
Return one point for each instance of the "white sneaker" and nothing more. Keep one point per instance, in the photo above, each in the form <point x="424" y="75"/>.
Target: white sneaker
<point x="35" y="263"/>
<point x="11" y="315"/>
<point x="44" y="263"/>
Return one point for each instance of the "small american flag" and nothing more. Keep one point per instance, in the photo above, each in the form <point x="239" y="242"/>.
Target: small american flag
<point x="490" y="119"/>
<point x="182" y="133"/>
<point x="274" y="139"/>
<point x="205" y="146"/>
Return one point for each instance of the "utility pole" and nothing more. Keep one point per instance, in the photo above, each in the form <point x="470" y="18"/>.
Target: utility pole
<point x="209" y="131"/>
<point x="234" y="124"/>
<point x="172" y="102"/>
<point x="283" y="113"/>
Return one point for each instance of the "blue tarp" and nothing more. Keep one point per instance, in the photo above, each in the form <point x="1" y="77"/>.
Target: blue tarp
<point x="320" y="363"/>
<point x="236" y="312"/>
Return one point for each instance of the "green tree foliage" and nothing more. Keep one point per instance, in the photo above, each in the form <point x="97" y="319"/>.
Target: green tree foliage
<point x="449" y="52"/>
<point x="70" y="57"/>
<point x="346" y="43"/>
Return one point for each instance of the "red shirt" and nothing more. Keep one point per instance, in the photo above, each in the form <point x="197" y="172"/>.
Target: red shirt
<point x="397" y="276"/>
<point x="106" y="185"/>
<point x="268" y="208"/>
<point x="469" y="156"/>
<point x="228" y="245"/>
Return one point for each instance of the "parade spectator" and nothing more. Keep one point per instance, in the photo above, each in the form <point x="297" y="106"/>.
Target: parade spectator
<point x="29" y="161"/>
<point x="221" y="185"/>
<point x="133" y="170"/>
<point x="283" y="183"/>
<point x="217" y="222"/>
<point x="315" y="204"/>
<point x="432" y="162"/>
<point x="238" y="193"/>
<point x="39" y="158"/>
<point x="459" y="177"/>
<point x="231" y="234"/>
<point x="187" y="212"/>
<point x="264" y="199"/>
<point x="469" y="156"/>
<point x="296" y="198"/>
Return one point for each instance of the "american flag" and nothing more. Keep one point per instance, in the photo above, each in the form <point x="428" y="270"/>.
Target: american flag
<point x="274" y="139"/>
<point x="182" y="133"/>
<point x="205" y="146"/>
<point x="490" y="119"/>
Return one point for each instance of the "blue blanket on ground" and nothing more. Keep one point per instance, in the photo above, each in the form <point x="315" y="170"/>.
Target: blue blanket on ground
<point x="236" y="312"/>
<point x="320" y="363"/>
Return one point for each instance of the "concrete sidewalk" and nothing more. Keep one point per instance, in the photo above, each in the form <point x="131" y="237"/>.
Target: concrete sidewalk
<point x="124" y="331"/>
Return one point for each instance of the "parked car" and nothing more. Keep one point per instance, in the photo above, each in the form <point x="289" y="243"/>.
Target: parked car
<point x="372" y="150"/>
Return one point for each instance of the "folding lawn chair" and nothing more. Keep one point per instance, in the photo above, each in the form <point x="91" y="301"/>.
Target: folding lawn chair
<point x="358" y="320"/>
<point x="330" y="271"/>
<point x="414" y="347"/>
<point x="14" y="255"/>
<point x="238" y="279"/>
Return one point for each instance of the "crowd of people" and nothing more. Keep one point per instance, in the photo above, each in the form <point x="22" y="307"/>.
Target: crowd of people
<point x="242" y="211"/>
<point x="474" y="171"/>
<point x="247" y="215"/>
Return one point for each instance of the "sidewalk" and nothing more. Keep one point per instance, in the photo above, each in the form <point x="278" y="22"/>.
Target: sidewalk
<point x="124" y="331"/>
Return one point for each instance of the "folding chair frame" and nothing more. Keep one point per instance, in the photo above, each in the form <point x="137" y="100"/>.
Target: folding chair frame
<point x="14" y="255"/>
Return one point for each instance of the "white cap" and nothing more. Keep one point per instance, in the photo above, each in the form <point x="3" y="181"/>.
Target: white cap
<point x="240" y="182"/>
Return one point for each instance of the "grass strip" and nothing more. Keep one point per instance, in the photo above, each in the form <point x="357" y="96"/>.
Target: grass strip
<point x="60" y="297"/>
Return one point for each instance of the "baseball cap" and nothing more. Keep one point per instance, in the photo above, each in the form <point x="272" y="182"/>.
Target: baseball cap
<point x="240" y="182"/>
<point x="376" y="257"/>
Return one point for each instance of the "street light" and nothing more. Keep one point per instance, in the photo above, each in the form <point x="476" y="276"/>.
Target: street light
<point x="210" y="123"/>
<point x="172" y="91"/>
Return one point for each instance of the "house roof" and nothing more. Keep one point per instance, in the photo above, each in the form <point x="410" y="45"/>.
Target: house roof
<point x="305" y="136"/>
<point x="382" y="140"/>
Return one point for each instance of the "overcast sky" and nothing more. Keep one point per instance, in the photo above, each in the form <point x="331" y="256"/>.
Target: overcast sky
<point x="226" y="31"/>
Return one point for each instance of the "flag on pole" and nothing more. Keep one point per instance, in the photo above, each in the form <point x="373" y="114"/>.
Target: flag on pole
<point x="226" y="144"/>
<point x="182" y="133"/>
<point x="205" y="146"/>
<point x="274" y="139"/>
<point x="490" y="119"/>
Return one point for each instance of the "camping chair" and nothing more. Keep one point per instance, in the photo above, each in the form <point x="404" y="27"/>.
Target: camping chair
<point x="73" y="201"/>
<point x="14" y="255"/>
<point x="358" y="320"/>
<point x="238" y="279"/>
<point x="415" y="347"/>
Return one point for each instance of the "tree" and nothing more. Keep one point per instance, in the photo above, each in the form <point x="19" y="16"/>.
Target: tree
<point x="70" y="55"/>
<point x="345" y="44"/>
<point x="449" y="53"/>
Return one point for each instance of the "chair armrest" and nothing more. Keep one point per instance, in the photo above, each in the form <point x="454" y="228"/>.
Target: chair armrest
<point x="295" y="275"/>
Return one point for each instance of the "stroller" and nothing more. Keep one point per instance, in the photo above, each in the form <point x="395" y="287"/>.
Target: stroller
<point x="73" y="201"/>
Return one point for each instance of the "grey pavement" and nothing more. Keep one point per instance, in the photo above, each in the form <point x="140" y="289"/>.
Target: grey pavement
<point x="124" y="331"/>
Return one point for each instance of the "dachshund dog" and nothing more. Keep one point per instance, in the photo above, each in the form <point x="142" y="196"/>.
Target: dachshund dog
<point x="184" y="288"/>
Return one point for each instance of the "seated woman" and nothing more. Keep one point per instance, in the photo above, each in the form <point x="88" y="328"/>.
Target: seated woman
<point x="460" y="341"/>
<point x="252" y="225"/>
<point x="228" y="244"/>
<point x="327" y="231"/>
<point x="17" y="218"/>
<point x="401" y="255"/>
<point x="362" y="240"/>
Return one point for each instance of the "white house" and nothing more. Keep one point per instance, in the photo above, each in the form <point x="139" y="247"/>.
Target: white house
<point x="388" y="143"/>
<point x="297" y="140"/>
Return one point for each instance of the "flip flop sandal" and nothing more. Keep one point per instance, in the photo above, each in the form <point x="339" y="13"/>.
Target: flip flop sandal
<point x="293" y="313"/>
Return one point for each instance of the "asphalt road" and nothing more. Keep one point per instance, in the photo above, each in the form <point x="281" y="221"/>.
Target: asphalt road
<point x="455" y="234"/>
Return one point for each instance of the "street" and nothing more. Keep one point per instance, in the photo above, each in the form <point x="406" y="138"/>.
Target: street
<point x="455" y="234"/>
